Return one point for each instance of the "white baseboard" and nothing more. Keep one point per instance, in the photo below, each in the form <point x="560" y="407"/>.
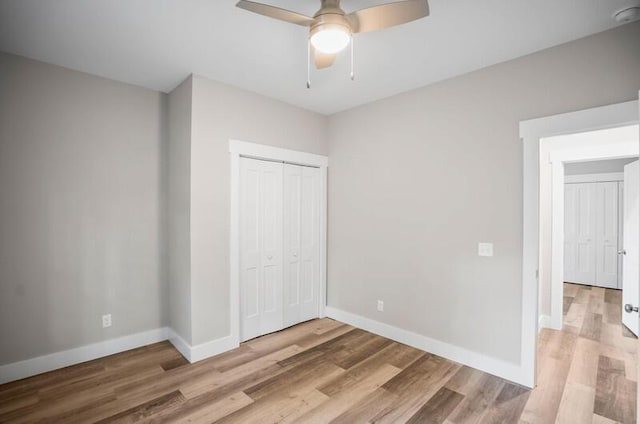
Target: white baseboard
<point x="202" y="351"/>
<point x="544" y="321"/>
<point x="507" y="370"/>
<point x="65" y="358"/>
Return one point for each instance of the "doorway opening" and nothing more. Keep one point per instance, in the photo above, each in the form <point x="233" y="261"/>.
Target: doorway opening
<point x="581" y="213"/>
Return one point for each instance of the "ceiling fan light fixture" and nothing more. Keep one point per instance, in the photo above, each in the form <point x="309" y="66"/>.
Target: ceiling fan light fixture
<point x="330" y="38"/>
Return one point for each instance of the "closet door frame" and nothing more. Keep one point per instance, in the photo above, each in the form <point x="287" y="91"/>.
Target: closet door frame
<point x="238" y="149"/>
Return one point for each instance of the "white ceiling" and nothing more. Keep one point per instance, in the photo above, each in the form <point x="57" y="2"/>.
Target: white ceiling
<point x="158" y="43"/>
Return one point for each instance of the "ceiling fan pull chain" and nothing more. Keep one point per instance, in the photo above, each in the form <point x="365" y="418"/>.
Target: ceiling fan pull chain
<point x="352" y="74"/>
<point x="308" y="63"/>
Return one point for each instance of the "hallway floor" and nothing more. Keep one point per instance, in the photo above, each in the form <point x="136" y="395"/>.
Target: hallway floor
<point x="586" y="372"/>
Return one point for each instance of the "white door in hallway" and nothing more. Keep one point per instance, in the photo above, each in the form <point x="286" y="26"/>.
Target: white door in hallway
<point x="570" y="236"/>
<point x="606" y="247"/>
<point x="585" y="270"/>
<point x="260" y="247"/>
<point x="301" y="243"/>
<point x="630" y="275"/>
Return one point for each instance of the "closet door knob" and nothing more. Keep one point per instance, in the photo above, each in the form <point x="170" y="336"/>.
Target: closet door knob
<point x="269" y="257"/>
<point x="622" y="252"/>
<point x="295" y="254"/>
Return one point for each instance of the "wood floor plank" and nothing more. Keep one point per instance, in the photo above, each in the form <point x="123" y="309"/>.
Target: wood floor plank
<point x="286" y="403"/>
<point x="478" y="398"/>
<point x="583" y="295"/>
<point x="207" y="414"/>
<point x="543" y="403"/>
<point x="340" y="402"/>
<point x="395" y="354"/>
<point x="414" y="386"/>
<point x="214" y="379"/>
<point x="146" y="409"/>
<point x="584" y="364"/>
<point x="615" y="396"/>
<point x="365" y="409"/>
<point x="570" y="289"/>
<point x="508" y="406"/>
<point x="613" y="296"/>
<point x="576" y="313"/>
<point x="438" y="408"/>
<point x="576" y="405"/>
<point x="591" y="326"/>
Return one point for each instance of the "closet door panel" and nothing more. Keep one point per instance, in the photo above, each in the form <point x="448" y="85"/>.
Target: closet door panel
<point x="292" y="206"/>
<point x="271" y="208"/>
<point x="260" y="247"/>
<point x="301" y="235"/>
<point x="250" y="249"/>
<point x="309" y="243"/>
<point x="607" y="234"/>
<point x="585" y="270"/>
<point x="569" y="232"/>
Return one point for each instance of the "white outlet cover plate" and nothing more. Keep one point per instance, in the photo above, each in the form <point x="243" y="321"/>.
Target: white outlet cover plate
<point x="485" y="249"/>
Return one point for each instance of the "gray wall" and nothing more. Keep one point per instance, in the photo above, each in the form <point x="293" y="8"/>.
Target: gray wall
<point x="81" y="224"/>
<point x="597" y="166"/>
<point x="417" y="180"/>
<point x="179" y="198"/>
<point x="221" y="112"/>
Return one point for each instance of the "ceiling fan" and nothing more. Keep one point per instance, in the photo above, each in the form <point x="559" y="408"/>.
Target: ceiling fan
<point x="331" y="29"/>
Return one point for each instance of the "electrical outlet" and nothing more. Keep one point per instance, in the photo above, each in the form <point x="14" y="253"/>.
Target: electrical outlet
<point x="380" y="305"/>
<point x="485" y="249"/>
<point x="106" y="321"/>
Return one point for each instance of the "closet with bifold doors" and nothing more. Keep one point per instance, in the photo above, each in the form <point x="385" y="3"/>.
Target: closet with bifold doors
<point x="279" y="245"/>
<point x="593" y="233"/>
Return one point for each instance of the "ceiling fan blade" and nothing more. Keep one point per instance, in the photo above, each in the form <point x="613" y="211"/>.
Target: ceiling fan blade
<point x="276" y="13"/>
<point x="388" y="15"/>
<point x="322" y="60"/>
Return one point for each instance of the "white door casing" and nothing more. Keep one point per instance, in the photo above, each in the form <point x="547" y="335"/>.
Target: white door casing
<point x="630" y="276"/>
<point x="260" y="247"/>
<point x="606" y="234"/>
<point x="301" y="243"/>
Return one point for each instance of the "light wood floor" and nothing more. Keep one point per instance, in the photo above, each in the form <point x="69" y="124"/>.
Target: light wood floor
<point x="324" y="371"/>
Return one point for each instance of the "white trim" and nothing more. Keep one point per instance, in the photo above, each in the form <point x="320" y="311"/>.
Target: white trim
<point x="202" y="351"/>
<point x="212" y="348"/>
<point x="530" y="132"/>
<point x="239" y="149"/>
<point x="179" y="343"/>
<point x="503" y="369"/>
<point x="605" y="151"/>
<point x="65" y="358"/>
<point x="262" y="151"/>
<point x="544" y="322"/>
<point x="594" y="178"/>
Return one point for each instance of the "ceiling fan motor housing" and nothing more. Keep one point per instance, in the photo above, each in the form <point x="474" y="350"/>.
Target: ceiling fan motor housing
<point x="330" y="16"/>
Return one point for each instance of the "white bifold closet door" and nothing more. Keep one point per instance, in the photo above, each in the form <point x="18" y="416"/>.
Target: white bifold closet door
<point x="585" y="216"/>
<point x="591" y="234"/>
<point x="260" y="247"/>
<point x="279" y="245"/>
<point x="301" y="243"/>
<point x="607" y="234"/>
